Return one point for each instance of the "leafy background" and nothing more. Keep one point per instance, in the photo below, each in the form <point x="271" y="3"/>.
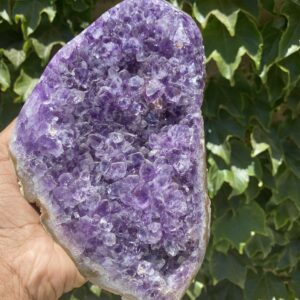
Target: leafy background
<point x="251" y="109"/>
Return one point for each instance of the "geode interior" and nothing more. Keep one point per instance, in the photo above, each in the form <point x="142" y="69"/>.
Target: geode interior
<point x="110" y="144"/>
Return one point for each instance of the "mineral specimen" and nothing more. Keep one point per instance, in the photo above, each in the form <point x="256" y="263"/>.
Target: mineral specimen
<point x="110" y="144"/>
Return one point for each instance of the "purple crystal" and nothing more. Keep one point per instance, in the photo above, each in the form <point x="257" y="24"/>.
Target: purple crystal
<point x="111" y="144"/>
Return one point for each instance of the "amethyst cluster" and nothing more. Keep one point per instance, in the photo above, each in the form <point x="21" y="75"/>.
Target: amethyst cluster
<point x="110" y="145"/>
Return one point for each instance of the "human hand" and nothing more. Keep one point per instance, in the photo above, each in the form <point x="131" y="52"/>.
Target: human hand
<point x="32" y="265"/>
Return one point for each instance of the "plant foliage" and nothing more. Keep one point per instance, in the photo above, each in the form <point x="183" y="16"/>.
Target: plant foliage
<point x="251" y="110"/>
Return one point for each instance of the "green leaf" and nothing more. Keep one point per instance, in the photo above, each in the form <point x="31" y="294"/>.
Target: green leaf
<point x="296" y="2"/>
<point x="253" y="187"/>
<point x="44" y="40"/>
<point x="222" y="246"/>
<point x="260" y="246"/>
<point x="292" y="130"/>
<point x="4" y="76"/>
<point x="226" y="11"/>
<point x="222" y="267"/>
<point x="5" y="11"/>
<point x="264" y="286"/>
<point x="287" y="188"/>
<point x="77" y="5"/>
<point x="226" y="50"/>
<point x="237" y="226"/>
<point x="215" y="178"/>
<point x="291" y="64"/>
<point x="289" y="257"/>
<point x="277" y="83"/>
<point x="15" y="56"/>
<point x="95" y="290"/>
<point x="196" y="289"/>
<point x="294" y="282"/>
<point x="258" y="108"/>
<point x="286" y="213"/>
<point x="292" y="157"/>
<point x="222" y="150"/>
<point x="290" y="41"/>
<point x="220" y="129"/>
<point x="268" y="4"/>
<point x="262" y="141"/>
<point x="220" y="95"/>
<point x="293" y="103"/>
<point x="238" y="180"/>
<point x="29" y="12"/>
<point x="271" y="37"/>
<point x="224" y="290"/>
<point x="11" y="44"/>
<point x="8" y="109"/>
<point x="240" y="154"/>
<point x="24" y="85"/>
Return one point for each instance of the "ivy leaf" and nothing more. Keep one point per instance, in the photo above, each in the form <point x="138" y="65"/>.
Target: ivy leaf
<point x="222" y="265"/>
<point x="277" y="83"/>
<point x="222" y="246"/>
<point x="289" y="257"/>
<point x="78" y="5"/>
<point x="258" y="108"/>
<point x="293" y="103"/>
<point x="238" y="180"/>
<point x="224" y="290"/>
<point x="291" y="64"/>
<point x="264" y="286"/>
<point x="294" y="282"/>
<point x="8" y="109"/>
<point x="11" y="44"/>
<point x="5" y="11"/>
<point x="268" y="4"/>
<point x="44" y="40"/>
<point x="236" y="227"/>
<point x="259" y="246"/>
<point x="286" y="213"/>
<point x="292" y="157"/>
<point x="24" y="85"/>
<point x="271" y="37"/>
<point x="29" y="12"/>
<point x="95" y="290"/>
<point x="226" y="50"/>
<point x="215" y="178"/>
<point x="225" y="11"/>
<point x="240" y="154"/>
<point x="290" y="40"/>
<point x="196" y="289"/>
<point x="220" y="95"/>
<point x="15" y="56"/>
<point x="292" y="130"/>
<point x="221" y="150"/>
<point x="296" y="2"/>
<point x="287" y="188"/>
<point x="220" y="129"/>
<point x="261" y="141"/>
<point x="4" y="76"/>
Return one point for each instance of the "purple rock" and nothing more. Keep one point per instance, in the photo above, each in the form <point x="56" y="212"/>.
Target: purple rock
<point x="111" y="144"/>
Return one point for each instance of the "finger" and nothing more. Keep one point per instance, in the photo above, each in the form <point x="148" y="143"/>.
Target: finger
<point x="14" y="210"/>
<point x="7" y="170"/>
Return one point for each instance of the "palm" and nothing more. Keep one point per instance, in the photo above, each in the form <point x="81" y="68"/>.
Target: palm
<point x="42" y="265"/>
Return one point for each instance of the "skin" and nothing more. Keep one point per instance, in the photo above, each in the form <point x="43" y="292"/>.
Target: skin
<point x="32" y="265"/>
